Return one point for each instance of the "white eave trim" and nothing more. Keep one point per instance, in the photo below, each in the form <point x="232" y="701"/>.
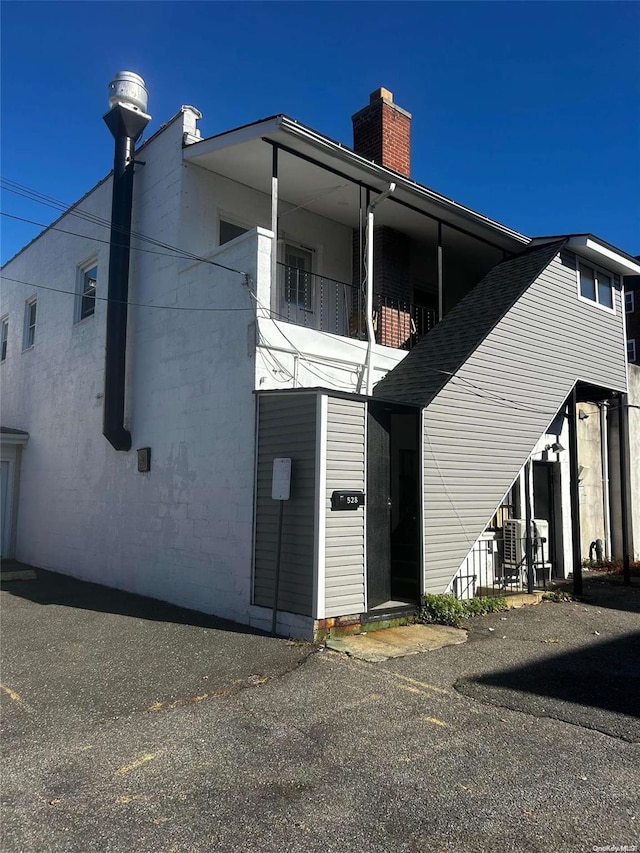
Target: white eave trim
<point x="388" y="175"/>
<point x="587" y="245"/>
<point x="14" y="438"/>
<point x="233" y="137"/>
<point x="412" y="189"/>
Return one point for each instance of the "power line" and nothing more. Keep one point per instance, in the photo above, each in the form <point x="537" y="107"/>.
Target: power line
<point x="34" y="195"/>
<point x="121" y="301"/>
<point x="41" y="198"/>
<point x="108" y="242"/>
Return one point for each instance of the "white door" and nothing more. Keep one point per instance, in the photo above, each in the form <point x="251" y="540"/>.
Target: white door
<point x="5" y="507"/>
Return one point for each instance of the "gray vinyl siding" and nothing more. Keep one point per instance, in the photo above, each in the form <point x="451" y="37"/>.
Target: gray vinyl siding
<point x="345" y="531"/>
<point x="286" y="427"/>
<point x="482" y="425"/>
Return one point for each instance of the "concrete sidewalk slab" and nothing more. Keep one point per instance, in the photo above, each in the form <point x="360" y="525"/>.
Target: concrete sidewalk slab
<point x="377" y="646"/>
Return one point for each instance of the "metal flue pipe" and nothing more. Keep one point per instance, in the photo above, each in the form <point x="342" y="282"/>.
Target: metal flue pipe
<point x="126" y="120"/>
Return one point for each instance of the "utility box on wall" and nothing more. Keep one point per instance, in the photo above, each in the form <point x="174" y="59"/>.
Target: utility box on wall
<point x="144" y="460"/>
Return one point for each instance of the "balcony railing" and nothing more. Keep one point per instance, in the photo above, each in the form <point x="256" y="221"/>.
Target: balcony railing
<point x="497" y="566"/>
<point x="318" y="302"/>
<point x="328" y="305"/>
<point x="401" y="324"/>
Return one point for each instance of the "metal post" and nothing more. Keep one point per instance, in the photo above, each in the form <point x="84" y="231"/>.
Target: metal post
<point x="440" y="278"/>
<point x="606" y="496"/>
<point x="623" y="431"/>
<point x="274" y="228"/>
<point x="575" y="493"/>
<point x="527" y="516"/>
<point x="276" y="584"/>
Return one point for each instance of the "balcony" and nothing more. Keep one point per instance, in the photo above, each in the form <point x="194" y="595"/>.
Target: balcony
<point x="321" y="303"/>
<point x="400" y="324"/>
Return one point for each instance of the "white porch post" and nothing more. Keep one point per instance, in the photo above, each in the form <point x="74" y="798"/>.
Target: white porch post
<point x="274" y="228"/>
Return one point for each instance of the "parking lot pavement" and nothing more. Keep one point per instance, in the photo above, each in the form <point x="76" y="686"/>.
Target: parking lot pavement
<point x="513" y="741"/>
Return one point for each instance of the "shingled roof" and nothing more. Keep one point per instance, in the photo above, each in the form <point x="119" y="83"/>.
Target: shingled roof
<point x="428" y="367"/>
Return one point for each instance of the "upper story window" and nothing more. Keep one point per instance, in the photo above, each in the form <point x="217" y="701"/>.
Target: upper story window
<point x="631" y="350"/>
<point x="87" y="277"/>
<point x="595" y="285"/>
<point x="229" y="231"/>
<point x="4" y="337"/>
<point x="30" y="323"/>
<point x="298" y="280"/>
<point x="629" y="302"/>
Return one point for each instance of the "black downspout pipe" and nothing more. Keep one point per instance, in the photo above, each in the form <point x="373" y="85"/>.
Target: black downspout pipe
<point x="575" y="492"/>
<point x="623" y="432"/>
<point x="126" y="125"/>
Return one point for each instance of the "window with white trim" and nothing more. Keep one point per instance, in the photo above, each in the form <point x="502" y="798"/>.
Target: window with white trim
<point x="30" y="309"/>
<point x="87" y="277"/>
<point x="595" y="285"/>
<point x="4" y="337"/>
<point x="629" y="302"/>
<point x="631" y="350"/>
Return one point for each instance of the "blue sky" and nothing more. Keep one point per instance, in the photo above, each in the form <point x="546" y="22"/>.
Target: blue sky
<point x="526" y="112"/>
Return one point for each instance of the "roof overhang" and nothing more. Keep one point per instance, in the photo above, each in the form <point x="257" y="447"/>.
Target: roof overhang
<point x="13" y="436"/>
<point x="245" y="155"/>
<point x="599" y="252"/>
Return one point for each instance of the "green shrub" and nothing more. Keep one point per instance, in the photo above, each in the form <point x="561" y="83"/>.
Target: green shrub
<point x="448" y="610"/>
<point x="556" y="594"/>
<point x="482" y="605"/>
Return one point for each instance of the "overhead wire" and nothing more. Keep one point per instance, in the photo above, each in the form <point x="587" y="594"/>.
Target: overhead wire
<point x="34" y="195"/>
<point x="108" y="243"/>
<point x="120" y="301"/>
<point x="41" y="198"/>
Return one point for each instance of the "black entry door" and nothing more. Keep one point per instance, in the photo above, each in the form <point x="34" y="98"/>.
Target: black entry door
<point x="393" y="562"/>
<point x="378" y="505"/>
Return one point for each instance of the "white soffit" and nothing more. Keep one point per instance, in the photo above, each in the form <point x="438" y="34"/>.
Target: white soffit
<point x="242" y="155"/>
<point x="588" y="246"/>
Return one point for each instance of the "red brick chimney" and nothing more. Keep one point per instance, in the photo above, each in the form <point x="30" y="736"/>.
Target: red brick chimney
<point x="382" y="133"/>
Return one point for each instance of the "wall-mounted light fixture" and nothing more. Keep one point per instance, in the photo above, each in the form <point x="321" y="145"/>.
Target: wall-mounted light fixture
<point x="583" y="415"/>
<point x="556" y="447"/>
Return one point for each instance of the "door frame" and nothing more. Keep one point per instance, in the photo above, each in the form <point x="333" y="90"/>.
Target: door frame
<point x="11" y="452"/>
<point x="371" y="507"/>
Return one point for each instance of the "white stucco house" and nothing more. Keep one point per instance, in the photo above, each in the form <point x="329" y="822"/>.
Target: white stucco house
<point x="416" y="427"/>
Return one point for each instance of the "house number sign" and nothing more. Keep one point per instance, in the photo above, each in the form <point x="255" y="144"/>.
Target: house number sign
<point x="342" y="500"/>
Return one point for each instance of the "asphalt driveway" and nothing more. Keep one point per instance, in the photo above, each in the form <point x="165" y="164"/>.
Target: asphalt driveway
<point x="128" y="725"/>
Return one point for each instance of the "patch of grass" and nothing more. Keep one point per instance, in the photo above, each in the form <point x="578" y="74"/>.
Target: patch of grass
<point x="557" y="595"/>
<point x="448" y="610"/>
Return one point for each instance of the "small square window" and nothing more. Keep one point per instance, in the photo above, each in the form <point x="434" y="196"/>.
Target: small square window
<point x="30" y="323"/>
<point x="629" y="302"/>
<point x="229" y="231"/>
<point x="87" y="277"/>
<point x="4" y="337"/>
<point x="631" y="350"/>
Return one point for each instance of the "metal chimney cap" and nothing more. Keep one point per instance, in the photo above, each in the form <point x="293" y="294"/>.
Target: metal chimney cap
<point x="128" y="88"/>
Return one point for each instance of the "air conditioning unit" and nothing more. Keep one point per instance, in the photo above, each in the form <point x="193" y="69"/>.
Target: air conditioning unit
<point x="515" y="543"/>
